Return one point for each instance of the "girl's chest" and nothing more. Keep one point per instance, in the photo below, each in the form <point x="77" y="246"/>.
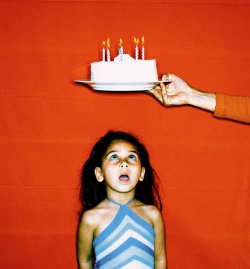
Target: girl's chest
<point x="110" y="219"/>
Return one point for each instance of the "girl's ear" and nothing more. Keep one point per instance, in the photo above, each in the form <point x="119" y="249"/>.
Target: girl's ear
<point x="142" y="174"/>
<point x="98" y="174"/>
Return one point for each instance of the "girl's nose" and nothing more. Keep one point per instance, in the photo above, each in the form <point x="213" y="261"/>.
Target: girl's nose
<point x="124" y="164"/>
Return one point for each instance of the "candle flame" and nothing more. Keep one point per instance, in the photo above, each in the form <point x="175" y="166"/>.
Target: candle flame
<point x="142" y="40"/>
<point x="136" y="40"/>
<point x="120" y="44"/>
<point x="108" y="43"/>
<point x="103" y="43"/>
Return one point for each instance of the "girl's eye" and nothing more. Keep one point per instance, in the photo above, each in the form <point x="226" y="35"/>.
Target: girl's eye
<point x="132" y="157"/>
<point x="113" y="157"/>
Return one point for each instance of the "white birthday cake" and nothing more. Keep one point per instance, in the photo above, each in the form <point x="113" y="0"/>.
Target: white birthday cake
<point x="126" y="69"/>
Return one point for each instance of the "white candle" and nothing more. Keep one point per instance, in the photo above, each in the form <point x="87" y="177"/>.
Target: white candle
<point x="142" y="49"/>
<point x="108" y="50"/>
<point x="120" y="50"/>
<point x="103" y="51"/>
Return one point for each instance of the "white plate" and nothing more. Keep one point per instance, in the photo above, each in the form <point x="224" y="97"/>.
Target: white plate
<point x="120" y="86"/>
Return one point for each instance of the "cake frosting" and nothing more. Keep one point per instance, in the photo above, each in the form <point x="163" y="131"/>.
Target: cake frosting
<point x="126" y="70"/>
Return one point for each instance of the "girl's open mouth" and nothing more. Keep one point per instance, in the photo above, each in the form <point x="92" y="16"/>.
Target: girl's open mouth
<point x="124" y="178"/>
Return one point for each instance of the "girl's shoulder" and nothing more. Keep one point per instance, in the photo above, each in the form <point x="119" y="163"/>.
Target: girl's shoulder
<point x="149" y="208"/>
<point x="149" y="212"/>
<point x="88" y="217"/>
<point x="99" y="217"/>
<point x="93" y="217"/>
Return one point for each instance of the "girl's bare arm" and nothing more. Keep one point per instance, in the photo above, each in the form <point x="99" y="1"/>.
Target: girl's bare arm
<point x="84" y="241"/>
<point x="160" y="243"/>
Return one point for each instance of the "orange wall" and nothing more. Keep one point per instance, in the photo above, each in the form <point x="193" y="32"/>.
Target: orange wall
<point x="48" y="125"/>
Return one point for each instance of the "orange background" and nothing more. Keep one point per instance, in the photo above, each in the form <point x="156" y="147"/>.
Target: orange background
<point x="48" y="124"/>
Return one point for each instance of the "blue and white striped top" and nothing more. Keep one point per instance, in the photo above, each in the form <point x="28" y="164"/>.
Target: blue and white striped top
<point x="127" y="243"/>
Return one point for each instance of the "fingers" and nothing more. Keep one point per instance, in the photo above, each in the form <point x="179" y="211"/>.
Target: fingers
<point x="168" y="77"/>
<point x="157" y="92"/>
<point x="151" y="91"/>
<point x="160" y="93"/>
<point x="163" y="91"/>
<point x="165" y="77"/>
<point x="163" y="88"/>
<point x="172" y="90"/>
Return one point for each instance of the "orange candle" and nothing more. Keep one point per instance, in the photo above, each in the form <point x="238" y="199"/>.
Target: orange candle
<point x="142" y="49"/>
<point x="103" y="51"/>
<point x="136" y="40"/>
<point x="108" y="50"/>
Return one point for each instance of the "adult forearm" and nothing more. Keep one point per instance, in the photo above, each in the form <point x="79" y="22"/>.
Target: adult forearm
<point x="202" y="99"/>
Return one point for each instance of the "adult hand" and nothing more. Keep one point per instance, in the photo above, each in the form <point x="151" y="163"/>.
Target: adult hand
<point x="174" y="91"/>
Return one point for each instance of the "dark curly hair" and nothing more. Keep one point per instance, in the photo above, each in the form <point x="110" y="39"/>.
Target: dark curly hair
<point x="93" y="192"/>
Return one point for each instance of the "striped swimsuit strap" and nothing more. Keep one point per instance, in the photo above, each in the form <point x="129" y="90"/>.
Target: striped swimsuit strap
<point x="116" y="203"/>
<point x="127" y="242"/>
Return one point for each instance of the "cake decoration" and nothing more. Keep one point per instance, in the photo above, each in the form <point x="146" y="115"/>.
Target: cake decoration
<point x="121" y="50"/>
<point x="103" y="51"/>
<point x="106" y="49"/>
<point x="136" y="41"/>
<point x="142" y="49"/>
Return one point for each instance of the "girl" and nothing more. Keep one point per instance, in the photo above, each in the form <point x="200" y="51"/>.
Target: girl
<point x="120" y="224"/>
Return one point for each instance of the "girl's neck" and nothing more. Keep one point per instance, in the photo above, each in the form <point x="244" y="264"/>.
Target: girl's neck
<point x="120" y="199"/>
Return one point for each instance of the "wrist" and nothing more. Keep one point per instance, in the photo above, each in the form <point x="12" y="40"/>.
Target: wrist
<point x="202" y="99"/>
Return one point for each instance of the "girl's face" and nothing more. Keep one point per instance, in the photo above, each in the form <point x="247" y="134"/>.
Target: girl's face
<point x="121" y="167"/>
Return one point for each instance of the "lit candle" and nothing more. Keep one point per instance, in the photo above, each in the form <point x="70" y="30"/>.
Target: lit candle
<point x="108" y="50"/>
<point x="103" y="51"/>
<point x="136" y="40"/>
<point x="142" y="49"/>
<point x="120" y="50"/>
